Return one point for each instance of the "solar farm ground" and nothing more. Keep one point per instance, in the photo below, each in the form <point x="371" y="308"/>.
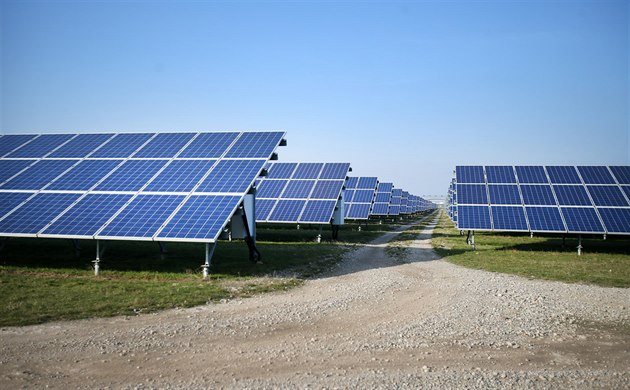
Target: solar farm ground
<point x="390" y="314"/>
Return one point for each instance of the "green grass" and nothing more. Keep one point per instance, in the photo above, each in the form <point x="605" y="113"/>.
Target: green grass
<point x="603" y="262"/>
<point x="44" y="280"/>
<point x="398" y="246"/>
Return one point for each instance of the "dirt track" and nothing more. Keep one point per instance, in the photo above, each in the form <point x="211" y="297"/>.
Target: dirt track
<point x="373" y="322"/>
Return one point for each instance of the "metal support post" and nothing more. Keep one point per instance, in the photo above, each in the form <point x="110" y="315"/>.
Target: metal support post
<point x="579" y="247"/>
<point x="298" y="226"/>
<point x="209" y="253"/>
<point x="319" y="236"/>
<point x="472" y="240"/>
<point x="98" y="258"/>
<point x="359" y="227"/>
<point x="163" y="250"/>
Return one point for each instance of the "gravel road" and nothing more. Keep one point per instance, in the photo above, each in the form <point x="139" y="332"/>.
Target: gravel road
<point x="372" y="322"/>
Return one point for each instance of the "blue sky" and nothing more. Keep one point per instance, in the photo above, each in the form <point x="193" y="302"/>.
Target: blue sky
<point x="402" y="90"/>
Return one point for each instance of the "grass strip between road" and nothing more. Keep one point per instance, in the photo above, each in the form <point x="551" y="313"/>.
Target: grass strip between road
<point x="603" y="262"/>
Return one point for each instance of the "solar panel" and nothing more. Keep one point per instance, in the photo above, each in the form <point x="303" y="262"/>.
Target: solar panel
<point x="122" y="145"/>
<point x="180" y="176"/>
<point x="563" y="175"/>
<point x="165" y="186"/>
<point x="84" y="175"/>
<point x="359" y="211"/>
<point x="570" y="195"/>
<point x="572" y="203"/>
<point x="394" y="210"/>
<point x="596" y="175"/>
<point x="41" y="146"/>
<point x="380" y="208"/>
<point x="202" y="217"/>
<point x="131" y="176"/>
<point x="531" y="174"/>
<point x="8" y="143"/>
<point x="582" y="220"/>
<point x="622" y="173"/>
<point x="86" y="217"/>
<point x="470" y="174"/>
<point x="500" y="174"/>
<point x="293" y="198"/>
<point x="616" y="220"/>
<point x="35" y="214"/>
<point x="545" y="219"/>
<point x="10" y="168"/>
<point x="382" y="199"/>
<point x="353" y="182"/>
<point x="38" y="175"/>
<point x="80" y="146"/>
<point x="509" y="218"/>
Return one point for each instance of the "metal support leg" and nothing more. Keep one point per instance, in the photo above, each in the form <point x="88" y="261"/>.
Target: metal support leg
<point x="163" y="250"/>
<point x="209" y="253"/>
<point x="359" y="228"/>
<point x="472" y="241"/>
<point x="98" y="258"/>
<point x="298" y="226"/>
<point x="319" y="236"/>
<point x="579" y="247"/>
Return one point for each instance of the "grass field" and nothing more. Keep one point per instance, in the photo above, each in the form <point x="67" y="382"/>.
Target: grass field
<point x="603" y="262"/>
<point x="44" y="280"/>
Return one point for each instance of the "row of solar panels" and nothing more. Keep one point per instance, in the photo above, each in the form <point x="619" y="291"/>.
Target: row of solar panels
<point x="563" y="199"/>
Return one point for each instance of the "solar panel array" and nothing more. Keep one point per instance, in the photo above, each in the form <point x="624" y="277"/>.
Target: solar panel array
<point x="358" y="196"/>
<point x="300" y="192"/>
<point x="128" y="186"/>
<point x="563" y="199"/>
<point x="382" y="199"/>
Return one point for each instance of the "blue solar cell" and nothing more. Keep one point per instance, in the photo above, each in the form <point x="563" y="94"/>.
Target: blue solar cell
<point x="255" y="145"/>
<point x="368" y="183"/>
<point x="395" y="201"/>
<point x="131" y="176"/>
<point x="165" y="145"/>
<point x="472" y="194"/>
<point x="500" y="174"/>
<point x="404" y="209"/>
<point x="142" y="217"/>
<point x="596" y="175"/>
<point x="287" y="210"/>
<point x="503" y="194"/>
<point x="509" y="218"/>
<point x="308" y="171"/>
<point x="469" y="174"/>
<point x="281" y="170"/>
<point x="41" y="146"/>
<point x="263" y="208"/>
<point x="348" y="195"/>
<point x="352" y="182"/>
<point x="622" y="173"/>
<point x="380" y="208"/>
<point x="531" y="174"/>
<point x="335" y="171"/>
<point x="9" y="168"/>
<point x="10" y="142"/>
<point x="88" y="215"/>
<point x="473" y="217"/>
<point x="298" y="189"/>
<point x="80" y="146"/>
<point x="232" y="176"/>
<point x="364" y="196"/>
<point x="394" y="210"/>
<point x="271" y="189"/>
<point x="35" y="214"/>
<point x="544" y="219"/>
<point x="10" y="200"/>
<point x="607" y="196"/>
<point x="397" y="192"/>
<point x="202" y="217"/>
<point x="582" y="220"/>
<point x="208" y="145"/>
<point x="537" y="195"/>
<point x="122" y="145"/>
<point x="572" y="196"/>
<point x="180" y="176"/>
<point x="359" y="211"/>
<point x="327" y="189"/>
<point x="563" y="175"/>
<point x="616" y="220"/>
<point x="38" y="175"/>
<point x="626" y="190"/>
<point x="385" y="187"/>
<point x="318" y="211"/>
<point x="84" y="175"/>
<point x="382" y="197"/>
